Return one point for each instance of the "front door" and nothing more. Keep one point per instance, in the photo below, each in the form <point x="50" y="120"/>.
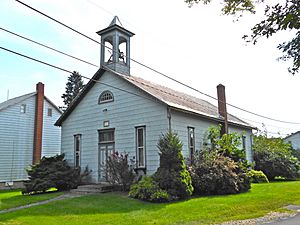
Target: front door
<point x="106" y="148"/>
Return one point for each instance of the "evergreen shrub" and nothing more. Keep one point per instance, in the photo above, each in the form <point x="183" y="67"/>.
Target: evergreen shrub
<point x="172" y="174"/>
<point x="51" y="172"/>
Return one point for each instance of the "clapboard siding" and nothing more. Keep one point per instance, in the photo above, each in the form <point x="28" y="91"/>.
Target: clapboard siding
<point x="16" y="138"/>
<point x="294" y="140"/>
<point x="181" y="121"/>
<point x="126" y="112"/>
<point x="51" y="134"/>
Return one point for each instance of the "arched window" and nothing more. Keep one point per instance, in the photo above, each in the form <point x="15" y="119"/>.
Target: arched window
<point x="106" y="96"/>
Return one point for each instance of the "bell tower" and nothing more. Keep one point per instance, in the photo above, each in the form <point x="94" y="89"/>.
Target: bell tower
<point x="115" y="47"/>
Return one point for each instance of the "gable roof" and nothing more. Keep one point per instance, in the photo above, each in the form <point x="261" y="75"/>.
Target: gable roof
<point x="293" y="134"/>
<point x="165" y="95"/>
<point x="16" y="100"/>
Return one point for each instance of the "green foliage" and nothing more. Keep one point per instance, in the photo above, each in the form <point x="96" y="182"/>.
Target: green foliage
<point x="73" y="87"/>
<point x="273" y="156"/>
<point x="118" y="170"/>
<point x="148" y="190"/>
<point x="278" y="17"/>
<point x="172" y="174"/>
<point x="221" y="167"/>
<point x="51" y="172"/>
<point x="226" y="144"/>
<point x="215" y="174"/>
<point x="257" y="176"/>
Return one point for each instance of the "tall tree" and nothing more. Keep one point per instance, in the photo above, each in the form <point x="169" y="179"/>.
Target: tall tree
<point x="278" y="17"/>
<point x="73" y="87"/>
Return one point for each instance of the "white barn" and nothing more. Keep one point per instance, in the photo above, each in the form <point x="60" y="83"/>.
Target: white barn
<point x="120" y="112"/>
<point x="27" y="133"/>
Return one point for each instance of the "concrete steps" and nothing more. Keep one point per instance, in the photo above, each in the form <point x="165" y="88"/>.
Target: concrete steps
<point x="93" y="188"/>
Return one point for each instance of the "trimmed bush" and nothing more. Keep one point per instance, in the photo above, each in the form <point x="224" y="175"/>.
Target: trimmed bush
<point x="148" y="190"/>
<point x="118" y="170"/>
<point x="172" y="174"/>
<point x="257" y="176"/>
<point x="51" y="172"/>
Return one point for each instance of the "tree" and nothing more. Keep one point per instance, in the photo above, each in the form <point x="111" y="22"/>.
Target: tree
<point x="172" y="174"/>
<point x="279" y="17"/>
<point x="51" y="172"/>
<point x="73" y="87"/>
<point x="274" y="157"/>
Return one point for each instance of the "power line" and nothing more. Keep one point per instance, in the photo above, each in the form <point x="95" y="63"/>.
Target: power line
<point x="51" y="18"/>
<point x="70" y="72"/>
<point x="46" y="46"/>
<point x="158" y="72"/>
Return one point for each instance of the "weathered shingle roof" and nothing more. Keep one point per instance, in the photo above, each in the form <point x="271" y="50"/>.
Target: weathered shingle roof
<point x="16" y="100"/>
<point x="180" y="100"/>
<point x="168" y="96"/>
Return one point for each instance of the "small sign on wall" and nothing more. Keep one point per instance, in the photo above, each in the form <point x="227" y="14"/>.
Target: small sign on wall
<point x="106" y="123"/>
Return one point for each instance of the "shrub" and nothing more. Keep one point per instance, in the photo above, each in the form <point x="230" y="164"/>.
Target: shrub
<point x="257" y="176"/>
<point x="214" y="174"/>
<point x="172" y="174"/>
<point x="274" y="157"/>
<point x="51" y="172"/>
<point x="148" y="190"/>
<point x="118" y="170"/>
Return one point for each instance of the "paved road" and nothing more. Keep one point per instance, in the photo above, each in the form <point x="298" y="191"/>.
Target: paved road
<point x="287" y="221"/>
<point x="295" y="220"/>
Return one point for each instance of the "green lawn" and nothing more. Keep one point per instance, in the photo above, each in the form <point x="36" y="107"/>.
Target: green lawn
<point x="118" y="209"/>
<point x="14" y="198"/>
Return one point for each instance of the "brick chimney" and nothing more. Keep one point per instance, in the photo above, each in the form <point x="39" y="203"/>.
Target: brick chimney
<point x="38" y="123"/>
<point x="222" y="107"/>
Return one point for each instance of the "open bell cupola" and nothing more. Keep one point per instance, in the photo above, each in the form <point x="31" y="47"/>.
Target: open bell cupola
<point x="115" y="47"/>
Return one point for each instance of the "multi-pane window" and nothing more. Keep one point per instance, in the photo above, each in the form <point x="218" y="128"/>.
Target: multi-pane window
<point x="77" y="149"/>
<point x="23" y="108"/>
<point x="49" y="113"/>
<point x="106" y="96"/>
<point x="191" y="142"/>
<point x="140" y="147"/>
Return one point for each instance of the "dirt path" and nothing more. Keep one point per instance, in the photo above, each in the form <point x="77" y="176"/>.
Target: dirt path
<point x="61" y="197"/>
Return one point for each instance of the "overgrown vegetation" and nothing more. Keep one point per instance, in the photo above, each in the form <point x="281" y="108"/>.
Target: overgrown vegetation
<point x="220" y="168"/>
<point x="274" y="157"/>
<point x="119" y="172"/>
<point x="51" y="172"/>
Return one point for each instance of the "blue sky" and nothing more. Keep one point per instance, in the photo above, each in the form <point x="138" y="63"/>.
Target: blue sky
<point x="197" y="46"/>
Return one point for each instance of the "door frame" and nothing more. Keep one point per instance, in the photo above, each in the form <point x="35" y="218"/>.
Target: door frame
<point x="101" y="168"/>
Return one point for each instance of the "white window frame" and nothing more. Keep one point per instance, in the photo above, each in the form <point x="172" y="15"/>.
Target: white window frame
<point x="23" y="108"/>
<point x="101" y="101"/>
<point x="140" y="146"/>
<point x="77" y="149"/>
<point x="191" y="146"/>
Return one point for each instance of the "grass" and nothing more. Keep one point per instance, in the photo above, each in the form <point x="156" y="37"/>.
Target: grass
<point x="14" y="198"/>
<point x="118" y="209"/>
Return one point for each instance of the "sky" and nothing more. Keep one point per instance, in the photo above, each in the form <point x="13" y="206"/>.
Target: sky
<point x="195" y="45"/>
